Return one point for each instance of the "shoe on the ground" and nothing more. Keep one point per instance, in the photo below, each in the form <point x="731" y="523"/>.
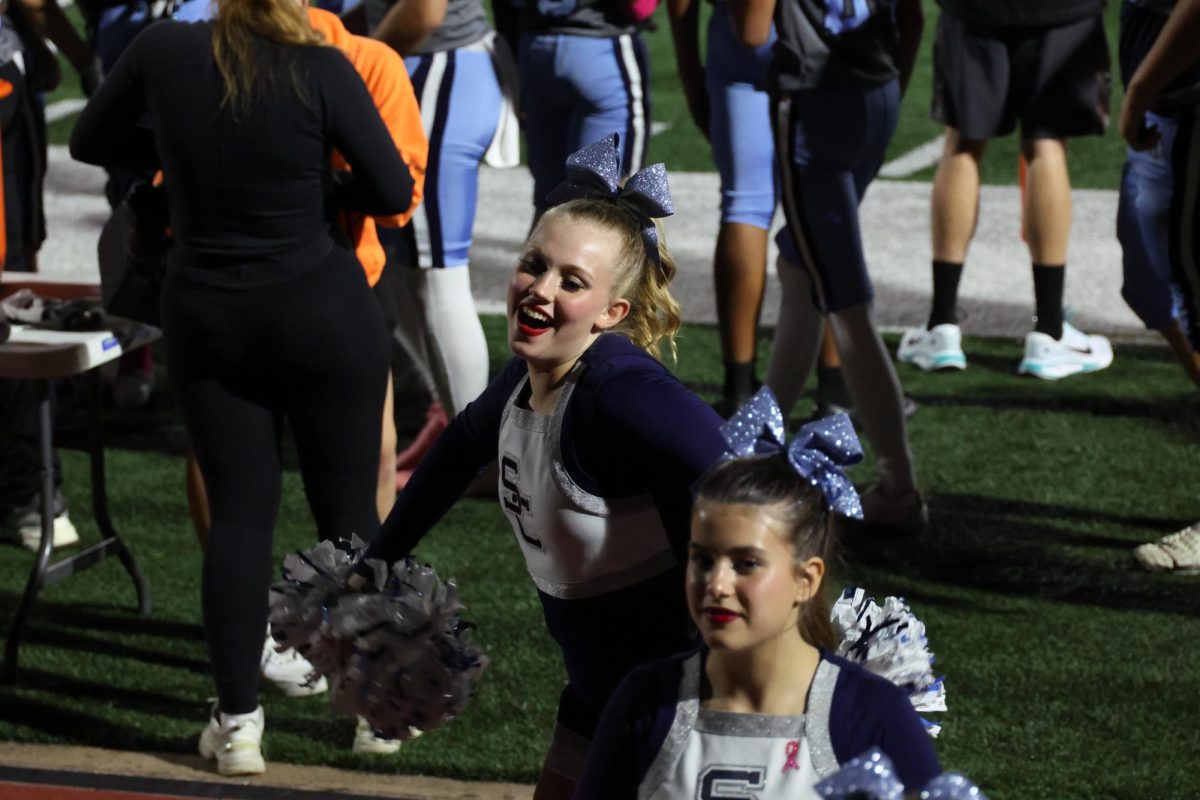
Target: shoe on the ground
<point x="366" y="740"/>
<point x="1176" y="552"/>
<point x="237" y="749"/>
<point x="23" y="524"/>
<point x="1051" y="359"/>
<point x="888" y="515"/>
<point x="290" y="672"/>
<point x="939" y="347"/>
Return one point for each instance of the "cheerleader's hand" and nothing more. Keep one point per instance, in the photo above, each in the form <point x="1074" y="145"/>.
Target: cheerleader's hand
<point x="357" y="582"/>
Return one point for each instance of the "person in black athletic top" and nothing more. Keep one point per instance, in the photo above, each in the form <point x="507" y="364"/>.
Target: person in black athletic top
<point x="265" y="313"/>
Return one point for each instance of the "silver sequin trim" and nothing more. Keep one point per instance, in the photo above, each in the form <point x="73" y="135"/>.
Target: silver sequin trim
<point x="511" y="405"/>
<point x="686" y="711"/>
<point x="571" y="490"/>
<point x="758" y="726"/>
<point x="528" y="420"/>
<point x="655" y="565"/>
<point x="816" y="721"/>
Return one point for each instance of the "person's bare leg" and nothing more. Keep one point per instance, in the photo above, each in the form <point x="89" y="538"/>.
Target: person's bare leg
<point x="739" y="275"/>
<point x="797" y="336"/>
<point x="954" y="206"/>
<point x="197" y="498"/>
<point x="553" y="786"/>
<point x="1047" y="224"/>
<point x="1047" y="203"/>
<point x="385" y="490"/>
<point x="1188" y="358"/>
<point x="829" y="352"/>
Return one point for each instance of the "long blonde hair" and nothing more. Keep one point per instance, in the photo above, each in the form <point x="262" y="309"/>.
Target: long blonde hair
<point x="654" y="314"/>
<point x="244" y="68"/>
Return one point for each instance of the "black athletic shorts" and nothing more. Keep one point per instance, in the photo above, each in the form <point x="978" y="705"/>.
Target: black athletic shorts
<point x="1054" y="80"/>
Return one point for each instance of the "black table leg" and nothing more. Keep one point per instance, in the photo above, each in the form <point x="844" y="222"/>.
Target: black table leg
<point x="100" y="491"/>
<point x="34" y="585"/>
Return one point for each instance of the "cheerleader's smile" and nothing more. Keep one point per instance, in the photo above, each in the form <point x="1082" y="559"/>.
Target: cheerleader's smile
<point x="560" y="297"/>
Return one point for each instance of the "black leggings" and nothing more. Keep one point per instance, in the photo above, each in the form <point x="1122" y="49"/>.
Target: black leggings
<point x="313" y="349"/>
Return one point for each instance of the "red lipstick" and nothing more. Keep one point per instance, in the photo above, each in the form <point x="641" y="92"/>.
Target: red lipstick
<point x="720" y="616"/>
<point x="530" y="325"/>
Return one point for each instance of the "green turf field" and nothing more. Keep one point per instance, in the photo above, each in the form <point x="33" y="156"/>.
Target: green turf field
<point x="1095" y="161"/>
<point x="1070" y="674"/>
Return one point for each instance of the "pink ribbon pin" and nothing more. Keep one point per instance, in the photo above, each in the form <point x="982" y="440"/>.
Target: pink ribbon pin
<point x="792" y="750"/>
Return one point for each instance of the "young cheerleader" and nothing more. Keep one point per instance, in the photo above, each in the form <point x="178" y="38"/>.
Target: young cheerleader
<point x="598" y="443"/>
<point x="763" y="709"/>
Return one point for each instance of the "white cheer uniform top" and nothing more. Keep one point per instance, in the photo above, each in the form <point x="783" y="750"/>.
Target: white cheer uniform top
<point x="724" y="755"/>
<point x="576" y="545"/>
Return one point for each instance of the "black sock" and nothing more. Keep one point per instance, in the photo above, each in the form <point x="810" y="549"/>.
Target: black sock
<point x="831" y="387"/>
<point x="739" y="379"/>
<point x="1048" y="294"/>
<point x="945" y="292"/>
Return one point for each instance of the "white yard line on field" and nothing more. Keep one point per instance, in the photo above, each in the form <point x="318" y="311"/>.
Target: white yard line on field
<point x="64" y="108"/>
<point x="915" y="160"/>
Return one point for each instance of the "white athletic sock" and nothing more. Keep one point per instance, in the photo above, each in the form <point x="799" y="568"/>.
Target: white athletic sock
<point x="797" y="336"/>
<point x="455" y="348"/>
<point x="875" y="391"/>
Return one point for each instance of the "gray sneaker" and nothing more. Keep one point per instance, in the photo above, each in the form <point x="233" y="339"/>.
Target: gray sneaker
<point x="23" y="524"/>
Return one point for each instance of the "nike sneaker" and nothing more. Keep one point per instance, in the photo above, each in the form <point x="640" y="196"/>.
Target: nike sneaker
<point x="940" y="347"/>
<point x="1050" y="359"/>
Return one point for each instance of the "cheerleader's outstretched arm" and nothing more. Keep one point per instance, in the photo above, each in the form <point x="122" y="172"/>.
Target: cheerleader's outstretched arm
<point x="447" y="470"/>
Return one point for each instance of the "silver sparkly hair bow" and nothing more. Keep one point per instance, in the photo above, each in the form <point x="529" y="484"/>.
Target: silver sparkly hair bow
<point x="595" y="171"/>
<point x="819" y="451"/>
<point x="872" y="776"/>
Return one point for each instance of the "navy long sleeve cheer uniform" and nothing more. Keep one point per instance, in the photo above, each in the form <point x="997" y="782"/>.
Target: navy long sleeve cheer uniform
<point x="598" y="494"/>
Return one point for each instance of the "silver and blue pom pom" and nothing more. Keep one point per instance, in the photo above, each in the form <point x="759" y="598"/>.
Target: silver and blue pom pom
<point x="395" y="653"/>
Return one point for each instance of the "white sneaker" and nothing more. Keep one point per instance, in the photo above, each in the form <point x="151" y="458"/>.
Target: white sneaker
<point x="24" y="525"/>
<point x="1075" y="352"/>
<point x="367" y="741"/>
<point x="1178" y="552"/>
<point x="290" y="671"/>
<point x="237" y="748"/>
<point x="937" y="348"/>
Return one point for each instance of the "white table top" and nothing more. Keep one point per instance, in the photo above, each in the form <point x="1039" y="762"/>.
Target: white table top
<point x="36" y="353"/>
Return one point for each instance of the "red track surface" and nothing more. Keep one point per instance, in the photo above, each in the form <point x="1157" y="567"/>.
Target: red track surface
<point x="26" y="791"/>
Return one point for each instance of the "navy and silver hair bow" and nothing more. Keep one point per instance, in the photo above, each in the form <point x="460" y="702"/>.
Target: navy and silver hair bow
<point x="873" y="776"/>
<point x="870" y="775"/>
<point x="819" y="451"/>
<point x="595" y="171"/>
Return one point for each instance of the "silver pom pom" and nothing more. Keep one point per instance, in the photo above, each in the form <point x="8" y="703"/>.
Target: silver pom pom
<point x="395" y="653"/>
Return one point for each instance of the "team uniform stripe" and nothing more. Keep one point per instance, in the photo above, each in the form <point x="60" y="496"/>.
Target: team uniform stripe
<point x="633" y="74"/>
<point x="793" y="204"/>
<point x="1185" y="216"/>
<point x="436" y="74"/>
